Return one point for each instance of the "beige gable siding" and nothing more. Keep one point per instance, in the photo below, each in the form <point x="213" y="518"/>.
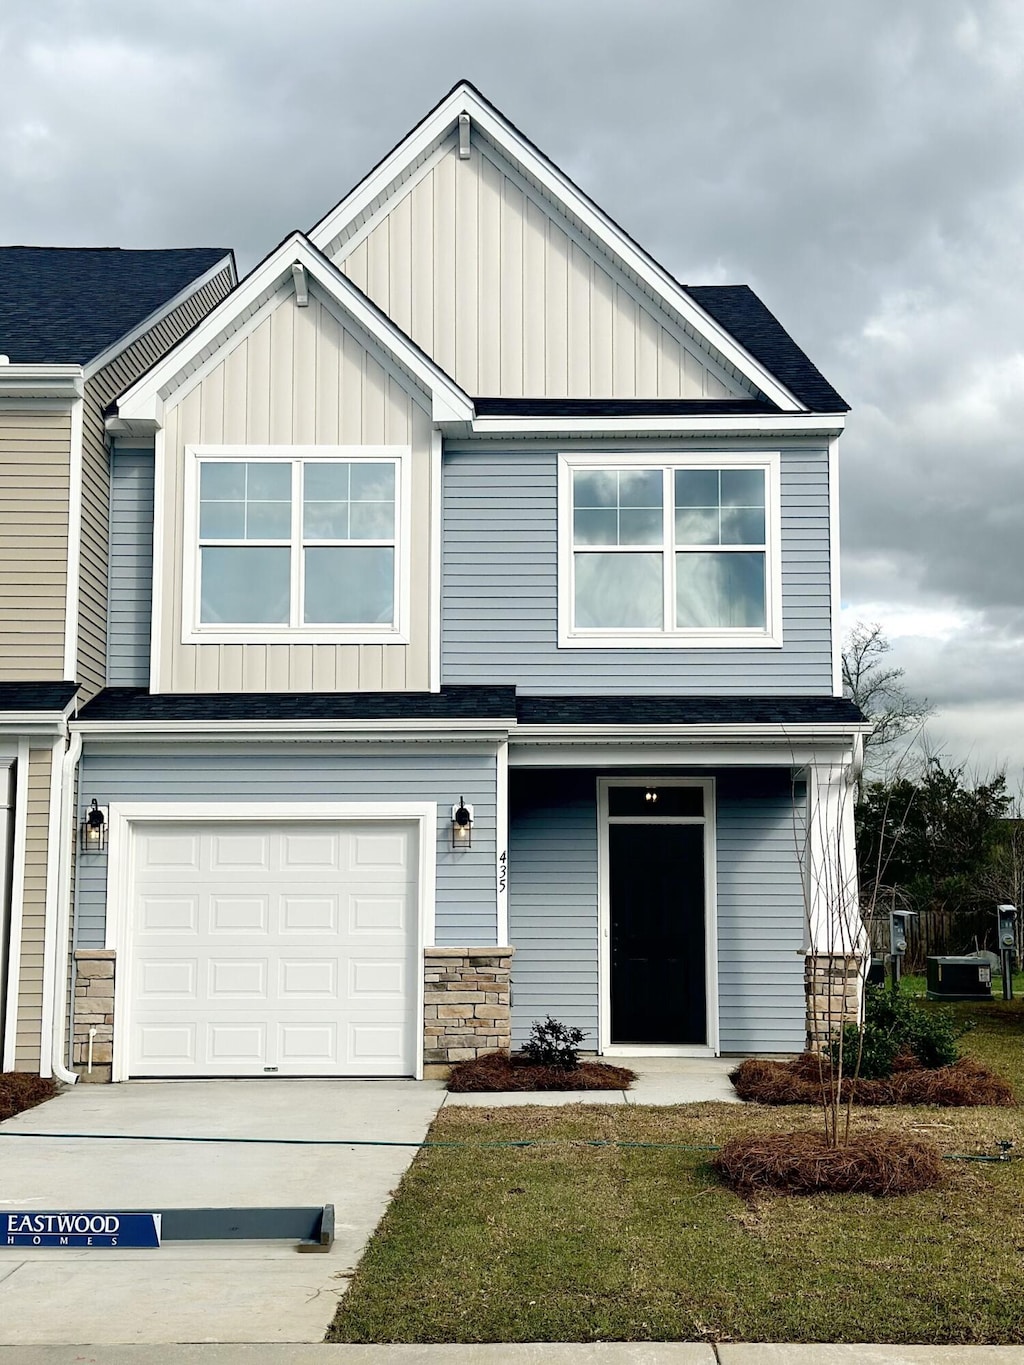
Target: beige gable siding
<point x="499" y="288"/>
<point x="28" y="1034"/>
<point x="300" y="377"/>
<point x="34" y="484"/>
<point x="100" y="390"/>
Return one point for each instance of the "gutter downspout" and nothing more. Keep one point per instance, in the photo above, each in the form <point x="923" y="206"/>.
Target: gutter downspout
<point x="67" y="831"/>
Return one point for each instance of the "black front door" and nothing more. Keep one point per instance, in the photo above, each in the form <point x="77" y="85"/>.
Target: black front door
<point x="658" y="992"/>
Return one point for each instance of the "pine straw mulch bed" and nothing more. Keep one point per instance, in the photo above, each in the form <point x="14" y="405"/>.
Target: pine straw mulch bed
<point x="19" y="1090"/>
<point x="801" y="1163"/>
<point x="499" y="1071"/>
<point x="965" y="1083"/>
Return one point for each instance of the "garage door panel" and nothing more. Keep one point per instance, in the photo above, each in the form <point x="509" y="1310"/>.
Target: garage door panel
<point x="274" y="950"/>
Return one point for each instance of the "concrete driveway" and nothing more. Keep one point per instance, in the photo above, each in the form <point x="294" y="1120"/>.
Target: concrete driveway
<point x="200" y="1291"/>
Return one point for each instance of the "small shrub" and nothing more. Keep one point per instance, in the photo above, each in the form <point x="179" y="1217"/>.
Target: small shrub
<point x="19" y="1090"/>
<point x="497" y="1071"/>
<point x="894" y="1027"/>
<point x="554" y="1044"/>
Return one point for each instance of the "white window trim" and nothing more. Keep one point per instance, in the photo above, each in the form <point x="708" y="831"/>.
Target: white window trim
<point x="707" y="785"/>
<point x="725" y="638"/>
<point x="194" y="633"/>
<point x="126" y="818"/>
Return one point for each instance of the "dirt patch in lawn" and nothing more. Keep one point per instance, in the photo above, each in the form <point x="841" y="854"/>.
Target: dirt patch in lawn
<point x="802" y="1163"/>
<point x="965" y="1083"/>
<point x="500" y="1071"/>
<point x="20" y="1091"/>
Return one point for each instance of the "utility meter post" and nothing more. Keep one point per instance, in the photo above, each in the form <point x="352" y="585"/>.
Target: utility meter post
<point x="898" y="920"/>
<point x="1007" y="915"/>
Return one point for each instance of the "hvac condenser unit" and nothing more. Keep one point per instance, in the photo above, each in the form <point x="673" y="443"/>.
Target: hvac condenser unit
<point x="959" y="978"/>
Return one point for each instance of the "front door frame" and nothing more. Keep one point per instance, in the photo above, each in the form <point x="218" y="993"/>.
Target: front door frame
<point x="605" y="1044"/>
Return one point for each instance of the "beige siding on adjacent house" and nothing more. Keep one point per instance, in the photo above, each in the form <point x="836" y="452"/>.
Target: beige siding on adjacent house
<point x="495" y="284"/>
<point x="34" y="475"/>
<point x="100" y="390"/>
<point x="28" y="1034"/>
<point x="300" y="377"/>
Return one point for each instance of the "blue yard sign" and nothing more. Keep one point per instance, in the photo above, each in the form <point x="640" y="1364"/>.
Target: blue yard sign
<point x="79" y="1228"/>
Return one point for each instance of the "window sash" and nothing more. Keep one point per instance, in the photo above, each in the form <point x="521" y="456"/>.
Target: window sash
<point x="297" y="543"/>
<point x="670" y="547"/>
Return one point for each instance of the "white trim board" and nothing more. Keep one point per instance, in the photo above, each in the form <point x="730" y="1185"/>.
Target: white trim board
<point x="17" y="906"/>
<point x="125" y="816"/>
<point x="74" y="556"/>
<point x="707" y="786"/>
<point x="372" y="194"/>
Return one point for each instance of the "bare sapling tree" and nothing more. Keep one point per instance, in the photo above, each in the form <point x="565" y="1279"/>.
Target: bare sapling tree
<point x="878" y="689"/>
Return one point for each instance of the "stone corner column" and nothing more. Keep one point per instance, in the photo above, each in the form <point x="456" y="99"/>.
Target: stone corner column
<point x="466" y="1005"/>
<point x="832" y="988"/>
<point x="93" y="1009"/>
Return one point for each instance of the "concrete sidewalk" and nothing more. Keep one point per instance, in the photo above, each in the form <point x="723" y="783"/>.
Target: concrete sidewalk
<point x="610" y="1353"/>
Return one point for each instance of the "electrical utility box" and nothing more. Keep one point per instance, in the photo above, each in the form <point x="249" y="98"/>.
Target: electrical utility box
<point x="959" y="978"/>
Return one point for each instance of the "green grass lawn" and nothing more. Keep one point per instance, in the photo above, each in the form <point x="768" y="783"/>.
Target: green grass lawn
<point x="564" y="1241"/>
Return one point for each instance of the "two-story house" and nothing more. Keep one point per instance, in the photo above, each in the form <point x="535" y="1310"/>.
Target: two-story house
<point x="76" y="326"/>
<point x="476" y="587"/>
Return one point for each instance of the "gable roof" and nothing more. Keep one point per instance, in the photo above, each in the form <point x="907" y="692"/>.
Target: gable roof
<point x="753" y="349"/>
<point x="66" y="305"/>
<point x="742" y="313"/>
<point x="143" y="400"/>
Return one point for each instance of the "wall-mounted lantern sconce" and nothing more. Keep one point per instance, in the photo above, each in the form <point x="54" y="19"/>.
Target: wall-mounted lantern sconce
<point x="650" y="796"/>
<point x="462" y="825"/>
<point x="94" y="829"/>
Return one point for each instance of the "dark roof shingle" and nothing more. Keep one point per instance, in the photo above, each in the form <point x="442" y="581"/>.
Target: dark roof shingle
<point x="35" y="696"/>
<point x="738" y="309"/>
<point x="622" y="711"/>
<point x="65" y="305"/>
<point x="451" y="703"/>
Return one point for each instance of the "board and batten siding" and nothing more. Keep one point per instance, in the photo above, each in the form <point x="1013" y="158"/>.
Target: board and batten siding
<point x="29" y="1030"/>
<point x="554" y="914"/>
<point x="509" y="298"/>
<point x="35" y="450"/>
<point x="300" y="377"/>
<point x="500" y="590"/>
<point x="130" y="602"/>
<point x="466" y="896"/>
<point x="100" y="390"/>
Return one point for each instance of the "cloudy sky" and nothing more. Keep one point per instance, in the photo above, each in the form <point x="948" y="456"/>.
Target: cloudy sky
<point x="860" y="163"/>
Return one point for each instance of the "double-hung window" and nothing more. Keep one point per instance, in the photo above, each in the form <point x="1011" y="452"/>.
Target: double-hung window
<point x="674" y="552"/>
<point x="294" y="543"/>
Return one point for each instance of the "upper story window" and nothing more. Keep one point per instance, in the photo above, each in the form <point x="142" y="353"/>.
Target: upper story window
<point x="677" y="552"/>
<point x="294" y="543"/>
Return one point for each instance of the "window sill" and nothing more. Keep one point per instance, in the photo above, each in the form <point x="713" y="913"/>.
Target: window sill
<point x="709" y="639"/>
<point x="353" y="636"/>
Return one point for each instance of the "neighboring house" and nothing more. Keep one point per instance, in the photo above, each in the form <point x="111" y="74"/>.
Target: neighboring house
<point x="76" y="326"/>
<point x="487" y="666"/>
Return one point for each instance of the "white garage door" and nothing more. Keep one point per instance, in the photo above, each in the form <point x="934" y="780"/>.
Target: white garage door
<point x="262" y="949"/>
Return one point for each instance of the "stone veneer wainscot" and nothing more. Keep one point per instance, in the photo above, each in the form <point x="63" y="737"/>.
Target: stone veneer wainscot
<point x="94" y="1009"/>
<point x="466" y="1002"/>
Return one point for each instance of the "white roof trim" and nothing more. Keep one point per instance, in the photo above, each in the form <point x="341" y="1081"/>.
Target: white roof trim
<point x="40" y="381"/>
<point x="797" y="423"/>
<point x="143" y="402"/>
<point x="464" y="99"/>
<point x="122" y="343"/>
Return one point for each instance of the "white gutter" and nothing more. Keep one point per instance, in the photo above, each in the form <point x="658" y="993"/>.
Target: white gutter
<point x="627" y="734"/>
<point x="795" y="424"/>
<point x="66" y="832"/>
<point x="376" y="730"/>
<point x="40" y="381"/>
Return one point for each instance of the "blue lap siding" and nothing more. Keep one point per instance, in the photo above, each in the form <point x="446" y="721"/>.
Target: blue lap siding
<point x="466" y="886"/>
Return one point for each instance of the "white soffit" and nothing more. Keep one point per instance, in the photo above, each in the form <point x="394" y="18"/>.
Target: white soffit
<point x="142" y="404"/>
<point x="373" y="195"/>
